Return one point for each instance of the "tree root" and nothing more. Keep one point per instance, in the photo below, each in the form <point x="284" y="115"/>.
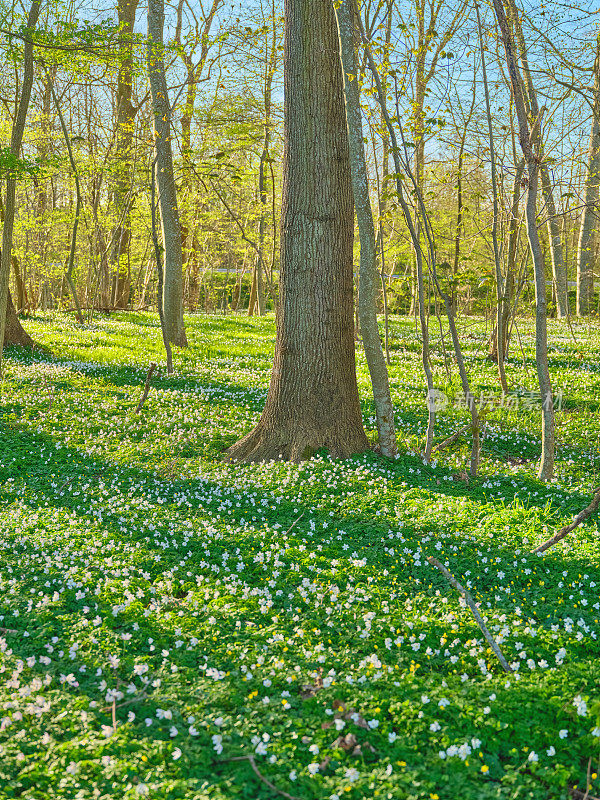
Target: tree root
<point x="265" y="444"/>
<point x="14" y="333"/>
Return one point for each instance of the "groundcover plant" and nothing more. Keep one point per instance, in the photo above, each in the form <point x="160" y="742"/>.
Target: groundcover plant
<point x="176" y="626"/>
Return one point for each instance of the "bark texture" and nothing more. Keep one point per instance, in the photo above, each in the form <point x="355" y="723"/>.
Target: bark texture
<point x="14" y="332"/>
<point x="313" y="396"/>
<point x="169" y="212"/>
<point x="368" y="279"/>
<point x="589" y="218"/>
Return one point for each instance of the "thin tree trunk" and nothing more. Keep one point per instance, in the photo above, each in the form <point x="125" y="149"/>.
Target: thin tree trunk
<point x="313" y="397"/>
<point x="529" y="141"/>
<point x="511" y="256"/>
<point x="78" y="200"/>
<point x="381" y="191"/>
<point x="501" y="299"/>
<point x="11" y="183"/>
<point x="589" y="217"/>
<point x="169" y="214"/>
<point x="159" y="271"/>
<point x="554" y="234"/>
<point x="459" y="223"/>
<point x="253" y="293"/>
<point x="367" y="287"/>
<point x="126" y="112"/>
<point x="415" y="239"/>
<point x="264" y="160"/>
<point x="192" y="79"/>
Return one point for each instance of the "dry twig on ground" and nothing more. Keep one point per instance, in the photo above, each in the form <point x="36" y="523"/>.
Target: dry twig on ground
<point x="474" y="610"/>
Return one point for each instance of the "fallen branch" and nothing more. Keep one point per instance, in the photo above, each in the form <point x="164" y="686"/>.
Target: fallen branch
<point x="451" y="439"/>
<point x="252" y="762"/>
<point x="581" y="517"/>
<point x="465" y="429"/>
<point x="146" y="387"/>
<point x="475" y="611"/>
<point x="294" y="523"/>
<point x="4" y="631"/>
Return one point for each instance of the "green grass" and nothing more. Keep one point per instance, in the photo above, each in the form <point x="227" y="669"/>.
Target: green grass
<point x="217" y="611"/>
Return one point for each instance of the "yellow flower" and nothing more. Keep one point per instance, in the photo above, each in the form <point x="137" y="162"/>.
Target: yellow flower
<point x="485" y="769"/>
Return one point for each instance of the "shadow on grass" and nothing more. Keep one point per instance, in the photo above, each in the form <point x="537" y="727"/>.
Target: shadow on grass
<point x="51" y="474"/>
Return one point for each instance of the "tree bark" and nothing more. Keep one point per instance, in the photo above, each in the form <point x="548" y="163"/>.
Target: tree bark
<point x="169" y="213"/>
<point x="13" y="330"/>
<point x="367" y="287"/>
<point x="313" y="397"/>
<point x="589" y="218"/>
<point x="11" y="182"/>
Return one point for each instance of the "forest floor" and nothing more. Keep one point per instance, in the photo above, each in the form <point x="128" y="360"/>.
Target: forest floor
<point x="174" y="626"/>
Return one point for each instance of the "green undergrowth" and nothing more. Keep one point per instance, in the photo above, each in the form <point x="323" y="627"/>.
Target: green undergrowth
<point x="174" y="626"/>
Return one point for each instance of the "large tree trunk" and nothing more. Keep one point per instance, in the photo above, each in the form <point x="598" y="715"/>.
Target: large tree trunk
<point x="125" y="112"/>
<point x="313" y="397"/>
<point x="169" y="213"/>
<point x="13" y="330"/>
<point x="367" y="287"/>
<point x="11" y="182"/>
<point x="589" y="218"/>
